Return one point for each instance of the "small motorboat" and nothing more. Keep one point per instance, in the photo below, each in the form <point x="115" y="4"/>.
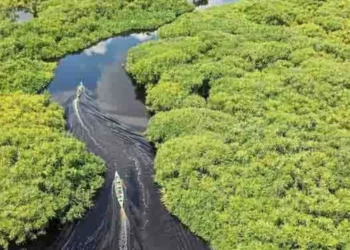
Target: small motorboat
<point x="118" y="186"/>
<point x="80" y="89"/>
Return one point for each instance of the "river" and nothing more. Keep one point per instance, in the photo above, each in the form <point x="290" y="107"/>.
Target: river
<point x="110" y="117"/>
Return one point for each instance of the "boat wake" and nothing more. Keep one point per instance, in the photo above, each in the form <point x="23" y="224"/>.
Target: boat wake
<point x="124" y="221"/>
<point x="127" y="214"/>
<point x="124" y="231"/>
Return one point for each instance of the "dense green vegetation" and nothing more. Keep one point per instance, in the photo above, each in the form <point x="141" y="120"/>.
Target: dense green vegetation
<point x="45" y="174"/>
<point x="252" y="122"/>
<point x="28" y="50"/>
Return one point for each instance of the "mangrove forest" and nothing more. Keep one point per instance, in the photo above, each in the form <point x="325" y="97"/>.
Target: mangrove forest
<point x="250" y="120"/>
<point x="251" y="123"/>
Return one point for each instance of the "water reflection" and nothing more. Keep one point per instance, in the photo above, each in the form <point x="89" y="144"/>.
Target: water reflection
<point x="203" y="4"/>
<point x="99" y="49"/>
<point x="143" y="37"/>
<point x="101" y="69"/>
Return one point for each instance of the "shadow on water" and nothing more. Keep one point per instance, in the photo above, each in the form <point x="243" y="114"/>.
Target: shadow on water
<point x="109" y="117"/>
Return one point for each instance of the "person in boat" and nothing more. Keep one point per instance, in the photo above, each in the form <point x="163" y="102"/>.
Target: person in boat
<point x="119" y="188"/>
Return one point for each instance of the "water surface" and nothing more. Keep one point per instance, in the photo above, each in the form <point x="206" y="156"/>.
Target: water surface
<point x="22" y="16"/>
<point x="101" y="70"/>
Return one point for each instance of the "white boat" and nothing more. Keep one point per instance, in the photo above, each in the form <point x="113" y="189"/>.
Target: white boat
<point x="80" y="89"/>
<point x="118" y="186"/>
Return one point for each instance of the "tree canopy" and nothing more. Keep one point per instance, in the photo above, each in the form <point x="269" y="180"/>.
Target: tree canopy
<point x="45" y="174"/>
<point x="260" y="159"/>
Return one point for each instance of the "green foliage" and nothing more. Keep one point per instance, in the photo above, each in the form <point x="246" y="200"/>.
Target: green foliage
<point x="62" y="27"/>
<point x="165" y="96"/>
<point x="25" y="74"/>
<point x="44" y="173"/>
<point x="189" y="121"/>
<point x="264" y="162"/>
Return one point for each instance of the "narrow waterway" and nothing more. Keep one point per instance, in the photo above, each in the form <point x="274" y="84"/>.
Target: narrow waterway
<point x="100" y="68"/>
<point x="109" y="116"/>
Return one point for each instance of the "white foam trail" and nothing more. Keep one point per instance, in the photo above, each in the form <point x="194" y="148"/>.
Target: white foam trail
<point x="76" y="108"/>
<point x="124" y="222"/>
<point x="124" y="231"/>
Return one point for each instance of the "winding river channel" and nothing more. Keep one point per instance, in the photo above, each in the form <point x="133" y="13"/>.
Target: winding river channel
<point x="110" y="116"/>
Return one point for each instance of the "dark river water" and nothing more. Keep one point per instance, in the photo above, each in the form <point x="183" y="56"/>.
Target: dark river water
<point x="100" y="68"/>
<point x="110" y="117"/>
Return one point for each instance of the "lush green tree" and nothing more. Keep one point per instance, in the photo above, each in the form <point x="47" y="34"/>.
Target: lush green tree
<point x="190" y="121"/>
<point x="265" y="163"/>
<point x="45" y="174"/>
